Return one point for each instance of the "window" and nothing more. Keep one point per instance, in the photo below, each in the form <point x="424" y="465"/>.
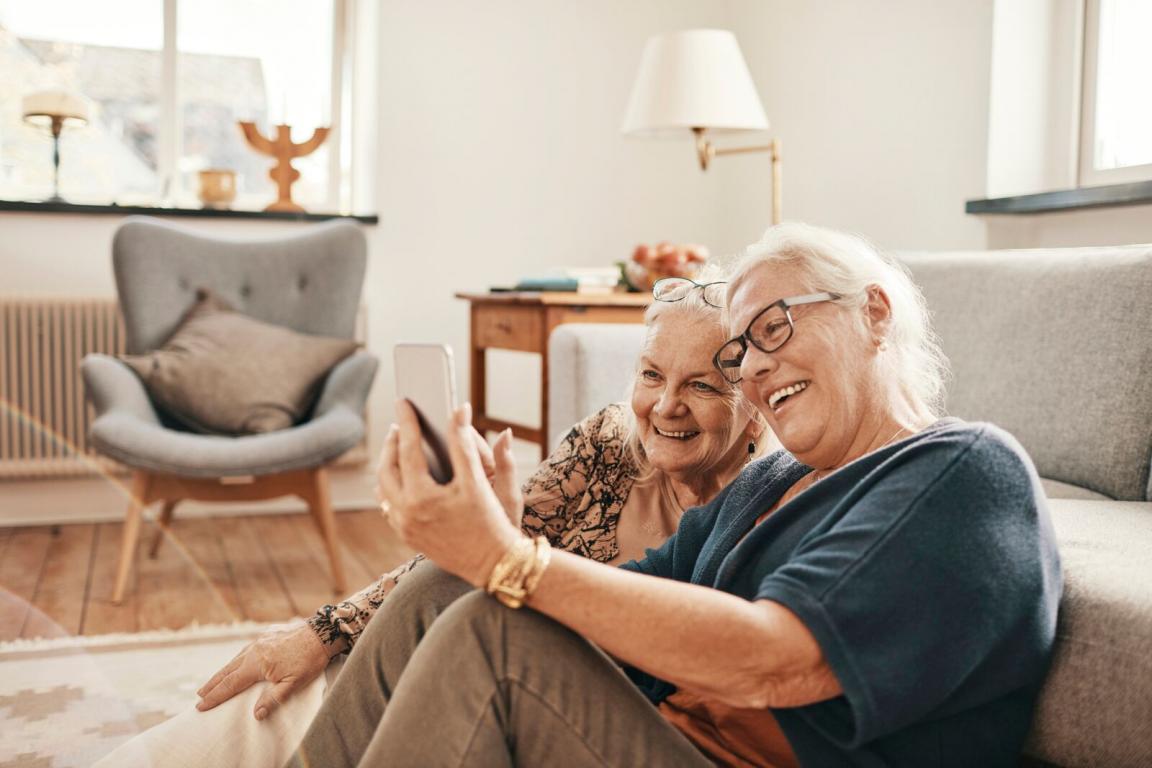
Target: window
<point x="89" y="49"/>
<point x="169" y="80"/>
<point x="1116" y="111"/>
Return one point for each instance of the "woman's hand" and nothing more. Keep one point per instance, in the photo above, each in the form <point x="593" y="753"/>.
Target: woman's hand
<point x="463" y="526"/>
<point x="499" y="467"/>
<point x="287" y="658"/>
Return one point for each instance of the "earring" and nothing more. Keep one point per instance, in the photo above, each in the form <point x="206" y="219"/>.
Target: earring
<point x="882" y="345"/>
<point x="751" y="449"/>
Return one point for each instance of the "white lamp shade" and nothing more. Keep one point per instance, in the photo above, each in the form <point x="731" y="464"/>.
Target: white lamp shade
<point x="695" y="78"/>
<point x="42" y="106"/>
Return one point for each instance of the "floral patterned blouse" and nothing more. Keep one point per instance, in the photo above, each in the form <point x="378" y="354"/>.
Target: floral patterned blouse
<point x="574" y="499"/>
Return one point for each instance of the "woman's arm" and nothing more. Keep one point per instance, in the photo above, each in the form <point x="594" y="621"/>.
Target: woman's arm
<point x="742" y="653"/>
<point x="293" y="657"/>
<point x="749" y="654"/>
<point x="340" y="626"/>
<point x="553" y="493"/>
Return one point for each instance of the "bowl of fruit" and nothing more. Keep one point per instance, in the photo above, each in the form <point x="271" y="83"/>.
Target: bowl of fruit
<point x="650" y="263"/>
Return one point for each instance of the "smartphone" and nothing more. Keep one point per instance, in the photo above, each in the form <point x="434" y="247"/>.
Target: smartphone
<point x="425" y="377"/>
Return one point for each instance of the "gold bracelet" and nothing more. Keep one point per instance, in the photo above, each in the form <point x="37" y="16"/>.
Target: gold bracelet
<point x="543" y="555"/>
<point x="515" y="576"/>
<point x="507" y="574"/>
<point x="511" y="564"/>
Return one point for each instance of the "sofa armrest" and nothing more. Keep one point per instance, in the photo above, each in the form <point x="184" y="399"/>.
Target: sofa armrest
<point x="114" y="387"/>
<point x="348" y="384"/>
<point x="590" y="365"/>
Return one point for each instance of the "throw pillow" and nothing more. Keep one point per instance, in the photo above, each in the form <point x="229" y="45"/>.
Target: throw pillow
<point x="223" y="372"/>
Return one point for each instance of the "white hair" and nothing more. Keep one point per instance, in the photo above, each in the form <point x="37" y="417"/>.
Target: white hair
<point x="848" y="265"/>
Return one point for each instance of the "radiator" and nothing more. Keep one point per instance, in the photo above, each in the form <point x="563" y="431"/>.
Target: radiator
<point x="44" y="416"/>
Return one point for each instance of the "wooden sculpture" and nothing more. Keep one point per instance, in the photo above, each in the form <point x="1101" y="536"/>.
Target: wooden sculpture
<point x="284" y="151"/>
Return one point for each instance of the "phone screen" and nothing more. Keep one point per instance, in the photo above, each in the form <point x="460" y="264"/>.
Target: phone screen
<point x="425" y="377"/>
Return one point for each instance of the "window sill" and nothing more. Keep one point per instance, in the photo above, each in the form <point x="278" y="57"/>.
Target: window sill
<point x="124" y="210"/>
<point x="1065" y="199"/>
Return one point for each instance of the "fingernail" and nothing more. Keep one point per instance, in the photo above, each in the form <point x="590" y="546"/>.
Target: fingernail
<point x="261" y="713"/>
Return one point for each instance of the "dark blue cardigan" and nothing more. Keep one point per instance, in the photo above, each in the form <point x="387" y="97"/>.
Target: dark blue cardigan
<point x="929" y="575"/>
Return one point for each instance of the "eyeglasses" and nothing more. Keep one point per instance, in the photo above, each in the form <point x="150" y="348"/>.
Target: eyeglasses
<point x="768" y="331"/>
<point x="678" y="288"/>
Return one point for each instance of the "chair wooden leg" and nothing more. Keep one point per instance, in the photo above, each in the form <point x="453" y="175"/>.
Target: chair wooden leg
<point x="320" y="503"/>
<point x="140" y="482"/>
<point x="162" y="526"/>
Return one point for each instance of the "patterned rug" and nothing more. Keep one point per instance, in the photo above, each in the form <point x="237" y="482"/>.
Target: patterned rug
<point x="67" y="702"/>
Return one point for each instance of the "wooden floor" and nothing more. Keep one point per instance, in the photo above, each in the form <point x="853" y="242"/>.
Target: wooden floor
<point x="57" y="580"/>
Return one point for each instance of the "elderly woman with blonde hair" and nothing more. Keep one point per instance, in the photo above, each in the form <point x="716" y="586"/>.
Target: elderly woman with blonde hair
<point x="883" y="591"/>
<point x="617" y="484"/>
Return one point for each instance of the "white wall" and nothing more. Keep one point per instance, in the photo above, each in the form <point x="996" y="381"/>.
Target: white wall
<point x="500" y="154"/>
<point x="1122" y="225"/>
<point x="882" y="111"/>
<point x="891" y="117"/>
<point x="1034" y="102"/>
<point x="51" y="254"/>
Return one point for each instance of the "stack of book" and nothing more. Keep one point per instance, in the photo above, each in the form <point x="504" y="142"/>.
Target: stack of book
<point x="594" y="280"/>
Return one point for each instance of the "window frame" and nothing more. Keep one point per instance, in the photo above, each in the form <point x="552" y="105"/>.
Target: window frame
<point x="339" y="191"/>
<point x="1088" y="175"/>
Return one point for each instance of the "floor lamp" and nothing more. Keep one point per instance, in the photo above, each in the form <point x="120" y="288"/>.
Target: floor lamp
<point x="696" y="81"/>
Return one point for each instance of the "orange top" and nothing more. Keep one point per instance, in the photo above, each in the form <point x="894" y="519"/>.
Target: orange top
<point x="730" y="736"/>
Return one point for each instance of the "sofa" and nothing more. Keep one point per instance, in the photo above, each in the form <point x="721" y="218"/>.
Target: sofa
<point x="1054" y="345"/>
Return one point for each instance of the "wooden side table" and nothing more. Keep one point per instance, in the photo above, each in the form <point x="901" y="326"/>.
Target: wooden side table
<point x="523" y="322"/>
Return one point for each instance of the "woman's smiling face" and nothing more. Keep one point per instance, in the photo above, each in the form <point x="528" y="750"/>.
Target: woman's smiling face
<point x="689" y="419"/>
<point x="816" y="389"/>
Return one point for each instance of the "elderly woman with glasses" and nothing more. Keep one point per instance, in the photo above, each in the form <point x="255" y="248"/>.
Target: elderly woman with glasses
<point x="616" y="485"/>
<point x="881" y="592"/>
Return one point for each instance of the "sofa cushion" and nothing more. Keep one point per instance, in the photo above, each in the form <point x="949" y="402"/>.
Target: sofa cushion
<point x="1053" y="346"/>
<point x="223" y="372"/>
<point x="1097" y="702"/>
<point x="149" y="446"/>
<point x="1054" y="489"/>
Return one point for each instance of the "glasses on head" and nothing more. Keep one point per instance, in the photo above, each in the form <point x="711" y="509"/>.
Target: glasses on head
<point x="678" y="288"/>
<point x="768" y="331"/>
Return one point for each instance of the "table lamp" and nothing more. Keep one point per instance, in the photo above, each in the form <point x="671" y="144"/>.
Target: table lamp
<point x="54" y="110"/>
<point x="696" y="81"/>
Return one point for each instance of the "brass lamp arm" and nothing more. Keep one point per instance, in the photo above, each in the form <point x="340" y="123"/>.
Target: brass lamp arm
<point x="705" y="151"/>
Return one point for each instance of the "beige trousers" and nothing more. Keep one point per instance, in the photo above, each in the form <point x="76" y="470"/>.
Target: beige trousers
<point x="446" y="676"/>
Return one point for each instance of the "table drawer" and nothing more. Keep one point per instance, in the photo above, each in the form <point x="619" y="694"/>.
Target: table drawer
<point x="560" y="315"/>
<point x="508" y="327"/>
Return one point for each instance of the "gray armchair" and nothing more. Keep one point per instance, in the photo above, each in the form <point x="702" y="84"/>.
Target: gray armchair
<point x="310" y="283"/>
